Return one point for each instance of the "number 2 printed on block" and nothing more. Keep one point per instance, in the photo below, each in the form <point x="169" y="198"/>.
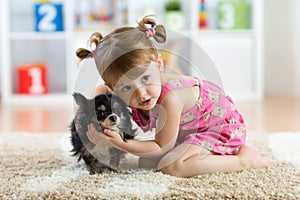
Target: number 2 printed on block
<point x="48" y="17"/>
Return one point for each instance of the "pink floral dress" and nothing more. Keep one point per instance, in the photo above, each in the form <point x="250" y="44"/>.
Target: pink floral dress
<point x="212" y="122"/>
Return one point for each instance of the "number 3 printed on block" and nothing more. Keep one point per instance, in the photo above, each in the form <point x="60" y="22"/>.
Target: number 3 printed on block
<point x="48" y="17"/>
<point x="227" y="20"/>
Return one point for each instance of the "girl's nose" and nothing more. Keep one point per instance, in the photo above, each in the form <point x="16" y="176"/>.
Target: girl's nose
<point x="140" y="92"/>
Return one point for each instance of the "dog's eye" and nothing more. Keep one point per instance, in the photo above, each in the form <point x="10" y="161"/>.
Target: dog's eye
<point x="101" y="114"/>
<point x="118" y="111"/>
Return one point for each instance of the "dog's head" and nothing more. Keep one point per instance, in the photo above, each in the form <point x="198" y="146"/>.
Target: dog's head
<point x="109" y="110"/>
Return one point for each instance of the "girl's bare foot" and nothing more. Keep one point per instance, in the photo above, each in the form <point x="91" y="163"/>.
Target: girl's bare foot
<point x="251" y="159"/>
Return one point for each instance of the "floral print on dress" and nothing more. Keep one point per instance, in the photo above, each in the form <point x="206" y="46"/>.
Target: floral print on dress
<point x="218" y="112"/>
<point x="206" y="145"/>
<point x="213" y="96"/>
<point x="176" y="83"/>
<point x="233" y="107"/>
<point x="239" y="131"/>
<point x="232" y="135"/>
<point x="232" y="121"/>
<point x="199" y="101"/>
<point x="212" y="117"/>
<point x="206" y="116"/>
<point x="187" y="118"/>
<point x="225" y="148"/>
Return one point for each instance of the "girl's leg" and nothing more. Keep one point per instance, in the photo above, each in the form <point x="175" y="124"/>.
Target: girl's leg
<point x="188" y="160"/>
<point x="148" y="163"/>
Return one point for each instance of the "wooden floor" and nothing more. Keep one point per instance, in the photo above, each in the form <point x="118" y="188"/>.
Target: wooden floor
<point x="270" y="115"/>
<point x="275" y="114"/>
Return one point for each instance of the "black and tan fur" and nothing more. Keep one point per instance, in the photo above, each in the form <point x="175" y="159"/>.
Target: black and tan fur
<point x="104" y="111"/>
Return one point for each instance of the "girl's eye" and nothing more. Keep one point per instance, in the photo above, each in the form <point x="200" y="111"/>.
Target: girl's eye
<point x="126" y="88"/>
<point x="145" y="79"/>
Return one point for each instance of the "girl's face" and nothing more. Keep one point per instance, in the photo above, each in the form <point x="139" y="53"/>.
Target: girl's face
<point x="143" y="90"/>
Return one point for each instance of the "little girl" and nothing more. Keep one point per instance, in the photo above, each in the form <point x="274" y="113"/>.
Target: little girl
<point x="198" y="129"/>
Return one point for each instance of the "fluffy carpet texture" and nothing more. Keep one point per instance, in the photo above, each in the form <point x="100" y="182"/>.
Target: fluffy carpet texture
<point x="39" y="166"/>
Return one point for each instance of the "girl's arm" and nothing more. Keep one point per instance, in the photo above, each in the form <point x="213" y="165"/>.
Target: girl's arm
<point x="166" y="132"/>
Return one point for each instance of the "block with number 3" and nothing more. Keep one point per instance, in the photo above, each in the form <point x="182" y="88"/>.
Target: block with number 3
<point x="233" y="14"/>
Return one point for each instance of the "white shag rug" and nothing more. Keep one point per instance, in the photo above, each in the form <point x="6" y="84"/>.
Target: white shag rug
<point x="40" y="166"/>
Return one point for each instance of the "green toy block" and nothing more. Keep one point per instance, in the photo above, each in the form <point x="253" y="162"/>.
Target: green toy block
<point x="233" y="14"/>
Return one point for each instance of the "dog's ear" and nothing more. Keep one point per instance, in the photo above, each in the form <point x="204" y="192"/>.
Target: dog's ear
<point x="80" y="99"/>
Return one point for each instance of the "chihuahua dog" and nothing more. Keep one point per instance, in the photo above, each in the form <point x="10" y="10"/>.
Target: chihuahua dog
<point x="104" y="111"/>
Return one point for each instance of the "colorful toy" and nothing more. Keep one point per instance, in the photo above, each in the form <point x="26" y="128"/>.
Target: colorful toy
<point x="202" y="15"/>
<point x="174" y="16"/>
<point x="95" y="12"/>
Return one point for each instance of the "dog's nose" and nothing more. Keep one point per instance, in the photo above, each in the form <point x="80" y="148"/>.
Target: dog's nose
<point x="113" y="118"/>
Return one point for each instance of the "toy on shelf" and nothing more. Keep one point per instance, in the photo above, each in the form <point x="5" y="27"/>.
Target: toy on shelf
<point x="32" y="79"/>
<point x="203" y="15"/>
<point x="90" y="13"/>
<point x="48" y="16"/>
<point x="174" y="16"/>
<point x="233" y="14"/>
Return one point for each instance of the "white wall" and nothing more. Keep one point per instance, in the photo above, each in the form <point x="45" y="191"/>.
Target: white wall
<point x="282" y="47"/>
<point x="296" y="38"/>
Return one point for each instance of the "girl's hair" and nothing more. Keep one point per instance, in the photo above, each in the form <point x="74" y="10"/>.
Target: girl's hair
<point x="123" y="49"/>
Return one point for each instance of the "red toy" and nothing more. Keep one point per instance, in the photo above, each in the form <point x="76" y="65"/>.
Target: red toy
<point x="32" y="79"/>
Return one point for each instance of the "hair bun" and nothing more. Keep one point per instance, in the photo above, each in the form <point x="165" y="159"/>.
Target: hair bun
<point x="160" y="31"/>
<point x="160" y="34"/>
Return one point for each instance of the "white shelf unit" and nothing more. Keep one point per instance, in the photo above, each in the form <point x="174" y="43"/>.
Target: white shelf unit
<point x="22" y="45"/>
<point x="237" y="54"/>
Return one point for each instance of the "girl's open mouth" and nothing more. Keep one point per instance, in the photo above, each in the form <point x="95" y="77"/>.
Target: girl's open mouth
<point x="145" y="103"/>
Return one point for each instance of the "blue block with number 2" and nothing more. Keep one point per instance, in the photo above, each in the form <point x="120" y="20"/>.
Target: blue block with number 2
<point x="48" y="17"/>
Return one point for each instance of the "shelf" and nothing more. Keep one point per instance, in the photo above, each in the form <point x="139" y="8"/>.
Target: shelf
<point x="54" y="98"/>
<point x="222" y="33"/>
<point x="214" y="33"/>
<point x="92" y="28"/>
<point x="230" y="49"/>
<point x="28" y="35"/>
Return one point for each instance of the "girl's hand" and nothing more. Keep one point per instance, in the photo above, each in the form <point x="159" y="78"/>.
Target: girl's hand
<point x="101" y="89"/>
<point x="109" y="138"/>
<point x="98" y="137"/>
<point x="114" y="137"/>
